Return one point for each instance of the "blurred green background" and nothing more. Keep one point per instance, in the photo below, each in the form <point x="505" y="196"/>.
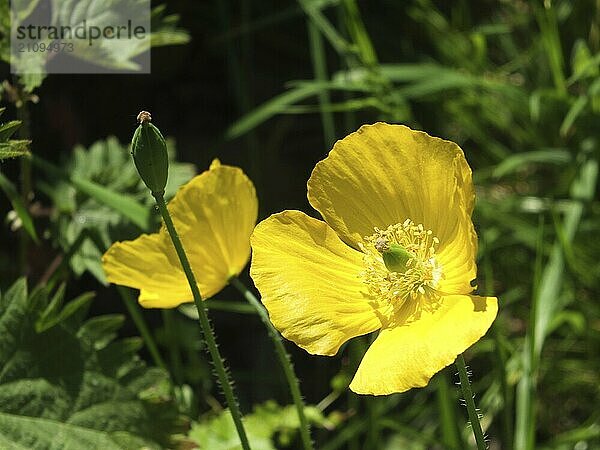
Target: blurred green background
<point x="269" y="86"/>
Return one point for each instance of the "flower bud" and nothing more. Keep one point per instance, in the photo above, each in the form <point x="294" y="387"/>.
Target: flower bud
<point x="395" y="258"/>
<point x="150" y="155"/>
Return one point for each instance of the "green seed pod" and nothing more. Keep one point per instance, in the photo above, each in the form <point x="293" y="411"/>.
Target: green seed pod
<point x="395" y="258"/>
<point x="150" y="155"/>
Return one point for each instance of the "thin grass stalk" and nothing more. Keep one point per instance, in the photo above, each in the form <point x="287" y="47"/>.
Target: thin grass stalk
<point x="209" y="336"/>
<point x="284" y="360"/>
<point x="349" y="119"/>
<point x="173" y="345"/>
<point x="451" y="436"/>
<point x="548" y="23"/>
<point x="322" y="23"/>
<point x="319" y="62"/>
<point x="501" y="359"/>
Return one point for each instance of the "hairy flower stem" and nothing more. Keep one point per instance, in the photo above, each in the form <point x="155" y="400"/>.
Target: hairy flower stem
<point x="204" y="322"/>
<point x="284" y="360"/>
<point x="465" y="386"/>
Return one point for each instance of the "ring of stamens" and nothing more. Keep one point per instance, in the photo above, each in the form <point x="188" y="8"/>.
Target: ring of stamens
<point x="422" y="273"/>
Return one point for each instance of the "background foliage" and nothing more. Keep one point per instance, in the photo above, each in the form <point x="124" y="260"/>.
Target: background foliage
<point x="269" y="86"/>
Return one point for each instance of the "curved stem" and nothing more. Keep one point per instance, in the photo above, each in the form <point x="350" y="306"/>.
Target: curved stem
<point x="140" y="324"/>
<point x="204" y="322"/>
<point x="465" y="386"/>
<point x="284" y="360"/>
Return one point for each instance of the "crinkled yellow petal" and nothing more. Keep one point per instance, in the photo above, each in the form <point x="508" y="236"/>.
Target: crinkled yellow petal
<point x="384" y="174"/>
<point x="148" y="263"/>
<point x="214" y="214"/>
<point x="309" y="282"/>
<point x="408" y="355"/>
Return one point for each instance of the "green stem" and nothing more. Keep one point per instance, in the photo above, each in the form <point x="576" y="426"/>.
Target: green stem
<point x="172" y="344"/>
<point x="284" y="359"/>
<point x="465" y="385"/>
<point x="204" y="322"/>
<point x="372" y="439"/>
<point x="24" y="132"/>
<point x="140" y="324"/>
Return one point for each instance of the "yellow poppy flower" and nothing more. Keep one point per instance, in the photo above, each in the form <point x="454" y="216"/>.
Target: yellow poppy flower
<point x="396" y="253"/>
<point x="214" y="214"/>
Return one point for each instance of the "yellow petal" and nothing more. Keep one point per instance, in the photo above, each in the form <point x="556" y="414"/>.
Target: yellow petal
<point x="384" y="174"/>
<point x="408" y="355"/>
<point x="309" y="282"/>
<point x="149" y="263"/>
<point x="214" y="215"/>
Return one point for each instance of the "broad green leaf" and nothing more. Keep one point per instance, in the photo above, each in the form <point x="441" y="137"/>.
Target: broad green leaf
<point x="60" y="390"/>
<point x="125" y="205"/>
<point x="218" y="432"/>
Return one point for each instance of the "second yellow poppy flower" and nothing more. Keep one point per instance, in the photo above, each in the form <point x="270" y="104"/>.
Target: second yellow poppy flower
<point x="214" y="214"/>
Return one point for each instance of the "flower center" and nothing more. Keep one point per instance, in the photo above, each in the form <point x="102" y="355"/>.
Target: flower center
<point x="400" y="262"/>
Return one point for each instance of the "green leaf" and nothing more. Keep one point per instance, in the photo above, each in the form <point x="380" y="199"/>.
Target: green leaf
<point x="10" y="148"/>
<point x="52" y="315"/>
<point x="574" y="112"/>
<point x="583" y="64"/>
<point x="59" y="391"/>
<point x="269" y="109"/>
<point x="126" y="206"/>
<point x="14" y="149"/>
<point x="218" y="432"/>
<point x="164" y="28"/>
<point x="8" y="129"/>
